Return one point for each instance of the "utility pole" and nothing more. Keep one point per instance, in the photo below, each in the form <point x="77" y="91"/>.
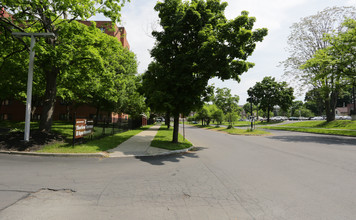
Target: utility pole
<point x="30" y="76"/>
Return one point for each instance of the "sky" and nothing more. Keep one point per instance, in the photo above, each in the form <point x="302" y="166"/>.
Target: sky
<point x="139" y="19"/>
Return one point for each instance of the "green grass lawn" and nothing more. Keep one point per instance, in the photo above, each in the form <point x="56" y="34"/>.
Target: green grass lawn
<point x="94" y="146"/>
<point x="237" y="131"/>
<point x="163" y="139"/>
<point x="337" y="124"/>
<point x="339" y="127"/>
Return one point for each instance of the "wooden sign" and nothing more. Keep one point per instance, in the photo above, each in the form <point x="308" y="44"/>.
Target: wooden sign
<point x="83" y="127"/>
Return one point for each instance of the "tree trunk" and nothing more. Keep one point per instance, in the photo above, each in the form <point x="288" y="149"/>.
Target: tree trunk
<point x="167" y="121"/>
<point x="330" y="105"/>
<point x="50" y="100"/>
<point x="267" y="114"/>
<point x="175" y="129"/>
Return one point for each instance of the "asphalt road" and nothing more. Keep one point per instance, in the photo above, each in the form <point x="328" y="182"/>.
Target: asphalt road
<point x="284" y="176"/>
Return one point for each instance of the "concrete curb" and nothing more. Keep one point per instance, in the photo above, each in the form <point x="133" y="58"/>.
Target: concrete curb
<point x="93" y="155"/>
<point x="101" y="155"/>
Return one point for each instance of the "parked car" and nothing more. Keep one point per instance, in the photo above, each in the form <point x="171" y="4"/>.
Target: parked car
<point x="317" y="118"/>
<point x="279" y="118"/>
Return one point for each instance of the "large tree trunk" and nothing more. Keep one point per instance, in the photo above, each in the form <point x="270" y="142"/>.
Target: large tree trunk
<point x="330" y="105"/>
<point x="175" y="129"/>
<point x="268" y="114"/>
<point x="50" y="100"/>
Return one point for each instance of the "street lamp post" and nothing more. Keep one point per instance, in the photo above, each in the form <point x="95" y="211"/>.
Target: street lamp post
<point x="30" y="77"/>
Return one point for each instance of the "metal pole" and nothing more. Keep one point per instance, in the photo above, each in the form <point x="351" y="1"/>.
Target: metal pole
<point x="183" y="130"/>
<point x="29" y="90"/>
<point x="30" y="77"/>
<point x="251" y="117"/>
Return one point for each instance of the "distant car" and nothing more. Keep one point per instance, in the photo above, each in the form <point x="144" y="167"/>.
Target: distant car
<point x="194" y="122"/>
<point x="317" y="118"/>
<point x="278" y="118"/>
<point x="345" y="117"/>
<point x="338" y="117"/>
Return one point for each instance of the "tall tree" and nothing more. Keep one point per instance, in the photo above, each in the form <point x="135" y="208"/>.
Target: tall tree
<point x="269" y="93"/>
<point x="47" y="16"/>
<point x="306" y="38"/>
<point x="343" y="53"/>
<point x="226" y="102"/>
<point x="196" y="44"/>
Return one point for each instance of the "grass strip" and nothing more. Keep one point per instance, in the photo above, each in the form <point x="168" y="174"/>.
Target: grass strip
<point x="237" y="131"/>
<point x="342" y="132"/>
<point x="337" y="124"/>
<point x="94" y="146"/>
<point x="337" y="127"/>
<point x="163" y="139"/>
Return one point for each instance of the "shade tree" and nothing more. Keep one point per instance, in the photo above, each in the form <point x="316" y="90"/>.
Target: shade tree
<point x="197" y="43"/>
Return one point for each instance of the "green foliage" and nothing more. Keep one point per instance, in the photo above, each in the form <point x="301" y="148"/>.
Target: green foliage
<point x="217" y="115"/>
<point x="74" y="51"/>
<point x="311" y="61"/>
<point x="269" y="93"/>
<point x="225" y="101"/>
<point x="314" y="102"/>
<point x="196" y="44"/>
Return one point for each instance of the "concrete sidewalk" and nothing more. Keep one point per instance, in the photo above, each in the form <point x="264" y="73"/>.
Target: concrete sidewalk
<point x="139" y="145"/>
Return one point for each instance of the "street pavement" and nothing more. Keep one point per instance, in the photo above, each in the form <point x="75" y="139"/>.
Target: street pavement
<point x="284" y="176"/>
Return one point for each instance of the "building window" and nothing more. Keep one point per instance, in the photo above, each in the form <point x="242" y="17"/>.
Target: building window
<point x="102" y="29"/>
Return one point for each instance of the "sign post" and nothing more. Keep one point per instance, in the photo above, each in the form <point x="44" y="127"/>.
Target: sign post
<point x="30" y="77"/>
<point x="82" y="127"/>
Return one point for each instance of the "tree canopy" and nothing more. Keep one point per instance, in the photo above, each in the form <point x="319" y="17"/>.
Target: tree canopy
<point x="310" y="63"/>
<point x="196" y="44"/>
<point x="269" y="93"/>
<point x="53" y="58"/>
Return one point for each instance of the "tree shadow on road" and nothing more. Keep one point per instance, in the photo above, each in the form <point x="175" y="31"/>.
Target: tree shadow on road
<point x="321" y="139"/>
<point x="162" y="160"/>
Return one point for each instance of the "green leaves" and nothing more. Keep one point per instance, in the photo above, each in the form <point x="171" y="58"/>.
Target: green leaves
<point x="196" y="44"/>
<point x="269" y="93"/>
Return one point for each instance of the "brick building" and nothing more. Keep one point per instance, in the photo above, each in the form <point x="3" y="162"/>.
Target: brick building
<point x="15" y="110"/>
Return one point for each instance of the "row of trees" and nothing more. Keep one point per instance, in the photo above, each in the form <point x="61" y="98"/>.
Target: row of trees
<point x="80" y="65"/>
<point x="222" y="106"/>
<point x="322" y="58"/>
